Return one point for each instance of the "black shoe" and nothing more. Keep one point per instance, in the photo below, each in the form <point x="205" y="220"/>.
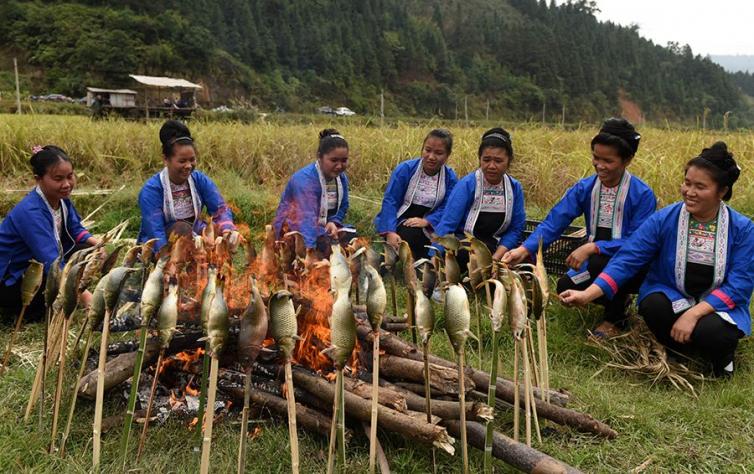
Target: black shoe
<point x="722" y="370"/>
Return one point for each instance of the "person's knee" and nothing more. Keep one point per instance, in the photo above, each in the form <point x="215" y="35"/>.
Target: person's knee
<point x="712" y="331"/>
<point x="565" y="283"/>
<point x="655" y="308"/>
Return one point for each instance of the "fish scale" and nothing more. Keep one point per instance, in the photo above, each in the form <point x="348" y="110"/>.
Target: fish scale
<point x="342" y="330"/>
<point x="457" y="316"/>
<point x="252" y="328"/>
<point x="283" y="325"/>
<point x="167" y="317"/>
<point x="376" y="296"/>
<point x="217" y="320"/>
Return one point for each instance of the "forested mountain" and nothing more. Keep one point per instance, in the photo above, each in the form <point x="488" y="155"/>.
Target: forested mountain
<point x="427" y="55"/>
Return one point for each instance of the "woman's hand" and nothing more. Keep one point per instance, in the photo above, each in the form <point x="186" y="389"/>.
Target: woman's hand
<point x="393" y="239"/>
<point x="233" y="238"/>
<point x="580" y="255"/>
<point x="683" y="327"/>
<point x="499" y="253"/>
<point x="332" y="230"/>
<point x="416" y="222"/>
<point x="515" y="256"/>
<point x="580" y="298"/>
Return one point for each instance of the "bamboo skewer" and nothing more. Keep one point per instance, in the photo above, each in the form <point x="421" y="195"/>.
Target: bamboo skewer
<point x="341" y="422"/>
<point x="97" y="427"/>
<point x="203" y="393"/>
<point x="375" y="402"/>
<point x="59" y="387"/>
<point x="292" y="433"/>
<point x="332" y="446"/>
<point x="134" y="392"/>
<point x="143" y="437"/>
<point x="527" y="387"/>
<point x="462" y="400"/>
<point x="428" y="398"/>
<point x="74" y="395"/>
<point x="516" y="397"/>
<point x="207" y="439"/>
<point x="491" y="402"/>
<point x="244" y="422"/>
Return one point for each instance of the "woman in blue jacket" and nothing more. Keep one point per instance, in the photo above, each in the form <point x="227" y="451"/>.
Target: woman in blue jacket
<point x="487" y="203"/>
<point x="188" y="191"/>
<point x="42" y="226"/>
<point x="700" y="253"/>
<point x="614" y="204"/>
<point x="416" y="194"/>
<point x="315" y="200"/>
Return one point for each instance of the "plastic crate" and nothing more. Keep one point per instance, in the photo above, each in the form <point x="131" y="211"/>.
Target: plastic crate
<point x="556" y="254"/>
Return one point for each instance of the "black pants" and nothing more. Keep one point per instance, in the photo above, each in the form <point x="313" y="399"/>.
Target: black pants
<point x="615" y="309"/>
<point x="416" y="239"/>
<point x="713" y="338"/>
<point x="10" y="303"/>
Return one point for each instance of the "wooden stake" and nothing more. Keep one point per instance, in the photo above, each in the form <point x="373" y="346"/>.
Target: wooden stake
<point x="527" y="387"/>
<point x="341" y="422"/>
<point x="203" y="393"/>
<point x="491" y="389"/>
<point x="428" y="399"/>
<point x="292" y="433"/>
<point x="59" y="386"/>
<point x="375" y="401"/>
<point x="16" y="327"/>
<point x="74" y="396"/>
<point x="516" y="396"/>
<point x="18" y="87"/>
<point x="135" y="379"/>
<point x="97" y="427"/>
<point x="143" y="437"/>
<point x="244" y="422"/>
<point x="210" y="412"/>
<point x="333" y="429"/>
<point x="462" y="399"/>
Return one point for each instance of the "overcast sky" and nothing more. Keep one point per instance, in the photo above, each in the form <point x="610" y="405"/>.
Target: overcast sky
<point x="708" y="26"/>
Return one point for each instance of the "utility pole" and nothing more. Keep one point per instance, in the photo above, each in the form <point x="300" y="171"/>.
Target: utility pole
<point x="382" y="108"/>
<point x="18" y="88"/>
<point x="544" y="110"/>
<point x="487" y="112"/>
<point x="562" y="116"/>
<point x="466" y="108"/>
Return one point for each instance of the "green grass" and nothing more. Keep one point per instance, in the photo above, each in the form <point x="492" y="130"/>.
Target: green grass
<point x="679" y="433"/>
<point x="672" y="430"/>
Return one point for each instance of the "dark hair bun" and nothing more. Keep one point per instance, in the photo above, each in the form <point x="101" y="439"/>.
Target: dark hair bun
<point x="496" y="137"/>
<point x="623" y="129"/>
<point x="328" y="132"/>
<point x="45" y="157"/>
<point x="172" y="132"/>
<point x="719" y="156"/>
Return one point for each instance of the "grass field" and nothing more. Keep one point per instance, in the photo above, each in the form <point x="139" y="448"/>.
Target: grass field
<point x="660" y="428"/>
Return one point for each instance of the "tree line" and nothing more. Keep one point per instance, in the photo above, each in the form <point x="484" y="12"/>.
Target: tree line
<point x="515" y="58"/>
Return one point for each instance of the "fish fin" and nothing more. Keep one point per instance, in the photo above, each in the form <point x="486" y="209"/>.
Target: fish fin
<point x="202" y="339"/>
<point x="472" y="335"/>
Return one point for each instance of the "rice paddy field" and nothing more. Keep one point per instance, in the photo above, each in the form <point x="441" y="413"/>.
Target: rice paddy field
<point x="661" y="428"/>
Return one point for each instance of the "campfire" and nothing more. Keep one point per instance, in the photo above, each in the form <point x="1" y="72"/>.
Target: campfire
<point x="176" y="365"/>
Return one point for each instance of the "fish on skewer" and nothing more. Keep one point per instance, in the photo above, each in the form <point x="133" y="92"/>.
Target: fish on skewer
<point x="342" y="340"/>
<point x="252" y="331"/>
<point x="217" y="334"/>
<point x="376" y="297"/>
<point x="284" y="329"/>
<point x="151" y="298"/>
<point x="167" y="318"/>
<point x="425" y="323"/>
<point x="457" y="322"/>
<point x="30" y="284"/>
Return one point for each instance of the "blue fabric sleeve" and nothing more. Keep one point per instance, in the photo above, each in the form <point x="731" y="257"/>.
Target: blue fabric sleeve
<point x="456" y="209"/>
<point x="738" y="284"/>
<point x="152" y="217"/>
<point x="512" y="236"/>
<point x="216" y="206"/>
<point x="559" y="217"/>
<point x="435" y="216"/>
<point x="387" y="219"/>
<point x="638" y="250"/>
<point x="644" y="209"/>
<point x="34" y="229"/>
<point x="299" y="208"/>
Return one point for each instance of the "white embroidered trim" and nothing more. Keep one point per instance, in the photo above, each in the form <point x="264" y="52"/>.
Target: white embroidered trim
<point x="477" y="205"/>
<point x="620" y="204"/>
<point x="168" y="207"/>
<point x="323" y="194"/>
<point x="413" y="185"/>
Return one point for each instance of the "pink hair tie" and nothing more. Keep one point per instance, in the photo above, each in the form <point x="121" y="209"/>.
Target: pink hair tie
<point x="36" y="149"/>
